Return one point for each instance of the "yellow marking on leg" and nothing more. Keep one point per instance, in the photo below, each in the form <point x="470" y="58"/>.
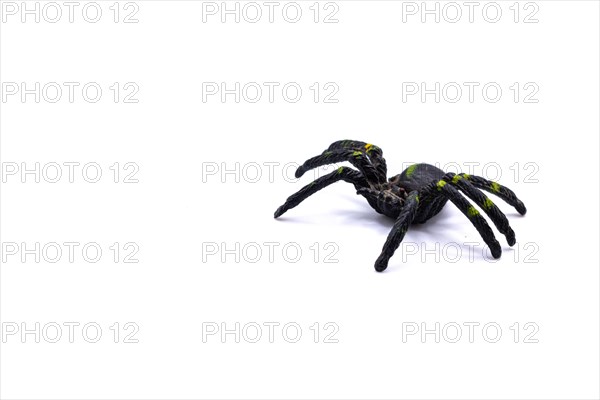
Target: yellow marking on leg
<point x="368" y="146"/>
<point x="472" y="211"/>
<point x="456" y="178"/>
<point x="495" y="187"/>
<point x="340" y="169"/>
<point x="466" y="176"/>
<point x="441" y="184"/>
<point x="357" y="154"/>
<point x="488" y="203"/>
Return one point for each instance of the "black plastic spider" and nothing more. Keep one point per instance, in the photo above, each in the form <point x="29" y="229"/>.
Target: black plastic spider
<point x="414" y="196"/>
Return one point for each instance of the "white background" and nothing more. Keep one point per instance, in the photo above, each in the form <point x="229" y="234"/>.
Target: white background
<point x="550" y="278"/>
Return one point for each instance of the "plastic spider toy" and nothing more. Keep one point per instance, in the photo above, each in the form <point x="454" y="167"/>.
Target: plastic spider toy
<point x="413" y="197"/>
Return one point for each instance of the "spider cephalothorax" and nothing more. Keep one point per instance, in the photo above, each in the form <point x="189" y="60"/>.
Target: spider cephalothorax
<point x="414" y="196"/>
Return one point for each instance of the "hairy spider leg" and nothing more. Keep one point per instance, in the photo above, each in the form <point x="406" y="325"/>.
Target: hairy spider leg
<point x="495" y="188"/>
<point x="343" y="173"/>
<point x="349" y="144"/>
<point x="484" y="202"/>
<point x="354" y="157"/>
<point x="474" y="216"/>
<point x="405" y="218"/>
<point x="374" y="152"/>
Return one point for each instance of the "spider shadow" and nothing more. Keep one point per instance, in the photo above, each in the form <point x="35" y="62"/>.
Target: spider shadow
<point x="384" y="223"/>
<point x="368" y="217"/>
<point x="427" y="233"/>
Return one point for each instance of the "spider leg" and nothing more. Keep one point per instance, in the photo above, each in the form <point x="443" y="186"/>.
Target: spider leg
<point x="374" y="152"/>
<point x="342" y="173"/>
<point x="355" y="157"/>
<point x="405" y="218"/>
<point x="488" y="206"/>
<point x="471" y="212"/>
<point x="495" y="188"/>
<point x="349" y="144"/>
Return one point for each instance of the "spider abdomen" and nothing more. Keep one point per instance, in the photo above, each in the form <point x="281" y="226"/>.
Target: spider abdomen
<point x="417" y="176"/>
